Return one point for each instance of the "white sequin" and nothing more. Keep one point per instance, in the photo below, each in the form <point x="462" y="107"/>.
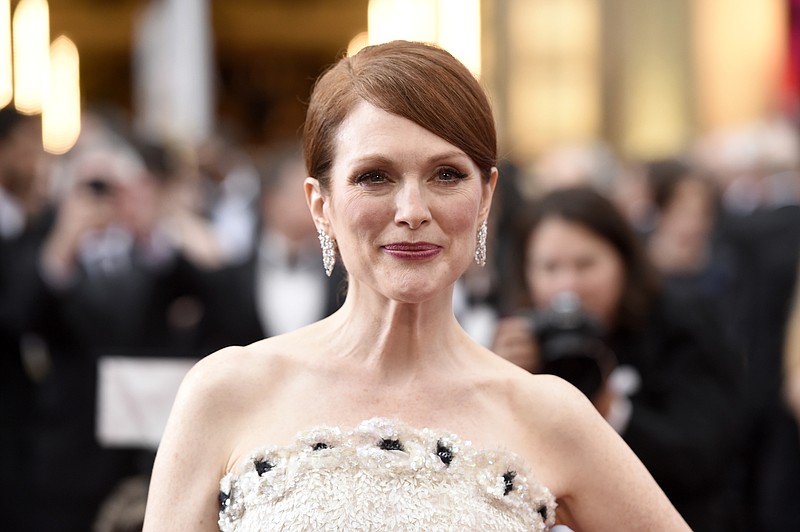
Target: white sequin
<point x="354" y="484"/>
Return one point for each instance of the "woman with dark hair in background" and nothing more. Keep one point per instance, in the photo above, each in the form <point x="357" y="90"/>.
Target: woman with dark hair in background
<point x="664" y="378"/>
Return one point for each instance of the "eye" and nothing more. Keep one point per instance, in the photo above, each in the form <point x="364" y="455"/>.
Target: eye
<point x="585" y="263"/>
<point x="449" y="174"/>
<point x="374" y="177"/>
<point x="545" y="266"/>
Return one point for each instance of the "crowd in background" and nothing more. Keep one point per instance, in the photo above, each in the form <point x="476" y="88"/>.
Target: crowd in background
<point x="127" y="248"/>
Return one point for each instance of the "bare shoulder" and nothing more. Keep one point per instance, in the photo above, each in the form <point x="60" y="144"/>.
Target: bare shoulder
<point x="558" y="401"/>
<point x="545" y="400"/>
<point x="598" y="480"/>
<point x="211" y="406"/>
<point x="226" y="380"/>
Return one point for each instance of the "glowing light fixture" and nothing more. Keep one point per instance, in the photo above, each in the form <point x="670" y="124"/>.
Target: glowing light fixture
<point x="460" y="31"/>
<point x="6" y="81"/>
<point x="412" y="20"/>
<point x="455" y="25"/>
<point x="357" y="43"/>
<point x="31" y="54"/>
<point x="61" y="114"/>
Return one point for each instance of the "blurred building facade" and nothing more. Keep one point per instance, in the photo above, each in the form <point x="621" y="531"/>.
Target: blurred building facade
<point x="645" y="77"/>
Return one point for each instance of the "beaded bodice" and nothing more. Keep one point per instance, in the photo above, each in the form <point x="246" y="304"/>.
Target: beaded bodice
<point x="382" y="475"/>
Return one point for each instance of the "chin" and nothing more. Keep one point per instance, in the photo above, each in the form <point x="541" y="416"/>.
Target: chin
<point x="420" y="288"/>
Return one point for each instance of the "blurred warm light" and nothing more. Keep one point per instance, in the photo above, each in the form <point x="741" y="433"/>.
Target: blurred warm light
<point x="460" y="31"/>
<point x="31" y="54"/>
<point x="357" y="43"/>
<point x="61" y="115"/>
<point x="554" y="87"/>
<point x="6" y="80"/>
<point x="412" y="20"/>
<point x="455" y="25"/>
<point x="740" y="53"/>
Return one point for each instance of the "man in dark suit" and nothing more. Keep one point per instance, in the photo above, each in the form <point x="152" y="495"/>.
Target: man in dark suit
<point x="110" y="279"/>
<point x="22" y="223"/>
<point x="282" y="285"/>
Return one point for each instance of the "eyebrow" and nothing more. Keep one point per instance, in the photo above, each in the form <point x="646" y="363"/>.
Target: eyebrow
<point x="438" y="157"/>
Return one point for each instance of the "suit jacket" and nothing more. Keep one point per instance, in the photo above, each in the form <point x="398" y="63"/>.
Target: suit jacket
<point x="232" y="314"/>
<point x="18" y="297"/>
<point x="686" y="414"/>
<point x="125" y="312"/>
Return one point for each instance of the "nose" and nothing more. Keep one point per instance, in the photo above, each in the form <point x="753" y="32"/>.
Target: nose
<point x="567" y="281"/>
<point x="411" y="206"/>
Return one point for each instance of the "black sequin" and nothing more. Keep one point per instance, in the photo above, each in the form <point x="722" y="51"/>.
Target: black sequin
<point x="444" y="452"/>
<point x="223" y="498"/>
<point x="262" y="466"/>
<point x="543" y="512"/>
<point x="391" y="445"/>
<point x="319" y="445"/>
<point x="508" y="480"/>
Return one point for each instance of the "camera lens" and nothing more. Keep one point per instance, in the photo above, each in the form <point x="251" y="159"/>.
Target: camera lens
<point x="571" y="343"/>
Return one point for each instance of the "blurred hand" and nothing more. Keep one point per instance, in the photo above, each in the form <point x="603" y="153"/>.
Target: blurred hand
<point x="140" y="204"/>
<point x="514" y="341"/>
<point x="192" y="234"/>
<point x="81" y="211"/>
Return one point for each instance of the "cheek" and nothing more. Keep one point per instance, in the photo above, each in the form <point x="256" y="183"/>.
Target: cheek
<point x="459" y="219"/>
<point x="364" y="219"/>
<point x="542" y="286"/>
<point x="357" y="221"/>
<point x="604" y="291"/>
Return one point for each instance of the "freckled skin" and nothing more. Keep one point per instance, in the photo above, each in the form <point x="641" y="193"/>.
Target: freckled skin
<point x="404" y="207"/>
<point x="418" y="188"/>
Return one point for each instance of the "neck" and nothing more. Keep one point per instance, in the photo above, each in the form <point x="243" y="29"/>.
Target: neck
<point x="394" y="341"/>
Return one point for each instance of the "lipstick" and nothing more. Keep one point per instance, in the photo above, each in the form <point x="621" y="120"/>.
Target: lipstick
<point x="412" y="250"/>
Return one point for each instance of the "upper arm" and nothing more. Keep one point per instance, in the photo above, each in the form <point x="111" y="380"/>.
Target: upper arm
<point x="193" y="453"/>
<point x="602" y="484"/>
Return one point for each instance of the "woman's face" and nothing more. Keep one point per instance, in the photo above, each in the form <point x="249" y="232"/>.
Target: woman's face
<point x="689" y="216"/>
<point x="564" y="256"/>
<point x="403" y="205"/>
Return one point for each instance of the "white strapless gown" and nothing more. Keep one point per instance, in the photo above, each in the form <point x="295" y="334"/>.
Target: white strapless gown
<point x="383" y="475"/>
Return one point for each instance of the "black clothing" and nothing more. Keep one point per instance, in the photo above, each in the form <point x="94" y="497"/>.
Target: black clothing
<point x="232" y="316"/>
<point x="768" y="256"/>
<point x="17" y="390"/>
<point x="685" y="417"/>
<point x="124" y="312"/>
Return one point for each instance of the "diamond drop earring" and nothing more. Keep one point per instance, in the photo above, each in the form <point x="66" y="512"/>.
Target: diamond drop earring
<point x="480" y="248"/>
<point x="328" y="251"/>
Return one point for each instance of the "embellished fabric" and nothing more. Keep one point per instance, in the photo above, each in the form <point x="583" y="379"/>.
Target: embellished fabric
<point x="383" y="475"/>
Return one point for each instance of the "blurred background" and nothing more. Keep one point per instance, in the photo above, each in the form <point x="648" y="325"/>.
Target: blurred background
<point x="646" y="77"/>
<point x="151" y="212"/>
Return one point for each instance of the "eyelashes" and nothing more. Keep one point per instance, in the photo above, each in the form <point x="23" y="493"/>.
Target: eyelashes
<point x="374" y="177"/>
<point x="450" y="173"/>
<point x="442" y="174"/>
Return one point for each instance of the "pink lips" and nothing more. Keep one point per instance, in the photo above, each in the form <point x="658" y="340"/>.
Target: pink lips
<point x="412" y="250"/>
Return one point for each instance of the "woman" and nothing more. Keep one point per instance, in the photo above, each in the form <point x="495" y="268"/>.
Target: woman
<point x="684" y="243"/>
<point x="400" y="144"/>
<point x="673" y="392"/>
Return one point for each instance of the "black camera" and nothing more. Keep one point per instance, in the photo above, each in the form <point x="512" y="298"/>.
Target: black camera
<point x="571" y="344"/>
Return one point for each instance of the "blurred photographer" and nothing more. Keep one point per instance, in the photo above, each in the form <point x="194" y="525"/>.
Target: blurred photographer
<point x="662" y="373"/>
<point x="112" y="280"/>
<point x="571" y="344"/>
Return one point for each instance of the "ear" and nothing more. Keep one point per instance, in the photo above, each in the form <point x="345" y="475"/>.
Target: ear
<point x="316" y="204"/>
<point x="488" y="193"/>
